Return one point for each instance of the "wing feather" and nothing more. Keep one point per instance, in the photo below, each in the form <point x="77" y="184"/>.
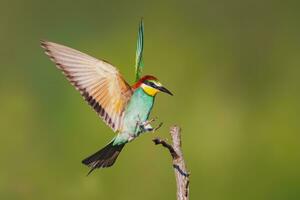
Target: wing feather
<point x="100" y="83"/>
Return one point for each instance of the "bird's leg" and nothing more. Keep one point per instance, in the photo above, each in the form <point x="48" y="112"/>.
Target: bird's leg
<point x="145" y="123"/>
<point x="146" y="126"/>
<point x="143" y="126"/>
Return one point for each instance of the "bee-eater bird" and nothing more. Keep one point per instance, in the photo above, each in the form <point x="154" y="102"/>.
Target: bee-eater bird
<point x="124" y="108"/>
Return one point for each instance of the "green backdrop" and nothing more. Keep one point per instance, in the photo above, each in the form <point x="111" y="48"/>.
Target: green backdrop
<point x="232" y="65"/>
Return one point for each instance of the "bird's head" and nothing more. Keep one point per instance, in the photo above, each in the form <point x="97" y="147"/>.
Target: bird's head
<point x="151" y="85"/>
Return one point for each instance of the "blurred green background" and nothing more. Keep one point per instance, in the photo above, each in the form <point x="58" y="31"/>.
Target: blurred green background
<point x="232" y="65"/>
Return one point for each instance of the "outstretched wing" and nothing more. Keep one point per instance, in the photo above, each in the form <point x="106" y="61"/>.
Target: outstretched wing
<point x="99" y="82"/>
<point x="139" y="63"/>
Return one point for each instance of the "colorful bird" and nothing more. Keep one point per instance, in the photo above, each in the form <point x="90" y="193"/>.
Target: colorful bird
<point x="124" y="108"/>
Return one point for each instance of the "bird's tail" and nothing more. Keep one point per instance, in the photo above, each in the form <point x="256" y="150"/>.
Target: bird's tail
<point x="105" y="157"/>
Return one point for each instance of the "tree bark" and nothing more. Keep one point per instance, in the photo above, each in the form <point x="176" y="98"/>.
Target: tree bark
<point x="181" y="174"/>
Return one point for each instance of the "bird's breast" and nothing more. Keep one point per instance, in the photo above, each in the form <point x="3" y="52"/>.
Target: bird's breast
<point x="136" y="112"/>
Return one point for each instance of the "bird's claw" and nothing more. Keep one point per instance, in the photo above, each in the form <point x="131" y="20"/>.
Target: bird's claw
<point x="149" y="121"/>
<point x="158" y="127"/>
<point x="146" y="125"/>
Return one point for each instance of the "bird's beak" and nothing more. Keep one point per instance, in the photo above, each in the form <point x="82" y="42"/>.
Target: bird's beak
<point x="165" y="90"/>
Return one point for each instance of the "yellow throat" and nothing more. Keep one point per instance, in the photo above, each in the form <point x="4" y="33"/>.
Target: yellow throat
<point x="149" y="90"/>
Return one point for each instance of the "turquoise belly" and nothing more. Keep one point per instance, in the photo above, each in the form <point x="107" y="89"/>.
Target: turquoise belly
<point x="137" y="111"/>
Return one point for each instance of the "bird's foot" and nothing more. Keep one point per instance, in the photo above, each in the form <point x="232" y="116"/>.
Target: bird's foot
<point x="149" y="128"/>
<point x="158" y="127"/>
<point x="146" y="125"/>
<point x="148" y="122"/>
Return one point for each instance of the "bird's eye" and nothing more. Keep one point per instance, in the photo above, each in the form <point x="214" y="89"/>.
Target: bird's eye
<point x="152" y="84"/>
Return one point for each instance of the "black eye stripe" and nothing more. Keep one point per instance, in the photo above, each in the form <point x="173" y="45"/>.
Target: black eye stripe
<point x="151" y="84"/>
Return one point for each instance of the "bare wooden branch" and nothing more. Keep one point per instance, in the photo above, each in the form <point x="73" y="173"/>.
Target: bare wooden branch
<point x="181" y="174"/>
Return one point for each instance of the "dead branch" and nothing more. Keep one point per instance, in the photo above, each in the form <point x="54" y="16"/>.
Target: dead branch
<point x="181" y="174"/>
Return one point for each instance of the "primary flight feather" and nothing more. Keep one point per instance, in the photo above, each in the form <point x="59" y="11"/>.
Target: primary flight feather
<point x="99" y="82"/>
